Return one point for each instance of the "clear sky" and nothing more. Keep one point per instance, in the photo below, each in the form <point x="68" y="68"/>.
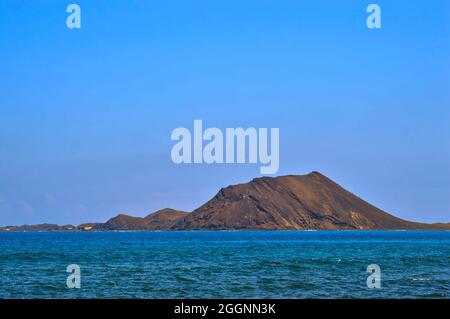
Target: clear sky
<point x="86" y="115"/>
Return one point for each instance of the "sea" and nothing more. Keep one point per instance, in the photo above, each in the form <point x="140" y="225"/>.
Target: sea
<point x="226" y="264"/>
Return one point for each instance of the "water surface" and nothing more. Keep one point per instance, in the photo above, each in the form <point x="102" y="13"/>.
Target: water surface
<point x="226" y="264"/>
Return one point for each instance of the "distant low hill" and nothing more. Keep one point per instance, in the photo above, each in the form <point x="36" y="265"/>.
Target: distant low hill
<point x="161" y="220"/>
<point x="310" y="201"/>
<point x="39" y="227"/>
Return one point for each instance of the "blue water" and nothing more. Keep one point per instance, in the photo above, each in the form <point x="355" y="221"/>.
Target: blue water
<point x="228" y="264"/>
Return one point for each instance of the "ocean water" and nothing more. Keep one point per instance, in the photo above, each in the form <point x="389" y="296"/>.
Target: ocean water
<point x="226" y="264"/>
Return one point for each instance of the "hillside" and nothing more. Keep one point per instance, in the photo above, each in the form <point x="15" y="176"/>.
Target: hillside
<point x="311" y="201"/>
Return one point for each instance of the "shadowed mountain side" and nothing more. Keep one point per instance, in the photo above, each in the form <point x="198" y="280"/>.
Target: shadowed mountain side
<point x="310" y="201"/>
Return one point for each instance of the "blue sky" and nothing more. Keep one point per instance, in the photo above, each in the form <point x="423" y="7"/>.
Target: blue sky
<point x="86" y="115"/>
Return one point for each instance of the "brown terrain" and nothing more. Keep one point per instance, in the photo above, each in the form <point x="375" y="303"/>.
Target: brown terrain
<point x="310" y="201"/>
<point x="161" y="220"/>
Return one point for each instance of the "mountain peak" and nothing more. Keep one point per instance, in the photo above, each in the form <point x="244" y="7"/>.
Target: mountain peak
<point x="311" y="201"/>
<point x="315" y="174"/>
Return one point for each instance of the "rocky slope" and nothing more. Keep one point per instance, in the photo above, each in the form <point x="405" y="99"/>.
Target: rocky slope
<point x="310" y="201"/>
